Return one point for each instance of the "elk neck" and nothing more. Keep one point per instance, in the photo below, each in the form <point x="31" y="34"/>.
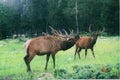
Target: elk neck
<point x="94" y="39"/>
<point x="67" y="44"/>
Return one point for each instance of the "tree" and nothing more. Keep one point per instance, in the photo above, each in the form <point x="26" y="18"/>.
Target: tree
<point x="31" y="17"/>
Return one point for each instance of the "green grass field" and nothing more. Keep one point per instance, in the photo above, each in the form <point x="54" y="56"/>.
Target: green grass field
<point x="12" y="65"/>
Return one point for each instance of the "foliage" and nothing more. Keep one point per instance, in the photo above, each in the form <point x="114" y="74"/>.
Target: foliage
<point x="33" y="17"/>
<point x="60" y="73"/>
<point x="90" y="72"/>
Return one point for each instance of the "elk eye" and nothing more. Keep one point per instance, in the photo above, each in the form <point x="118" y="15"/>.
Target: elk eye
<point x="69" y="39"/>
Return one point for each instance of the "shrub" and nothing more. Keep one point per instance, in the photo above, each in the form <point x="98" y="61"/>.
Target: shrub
<point x="90" y="72"/>
<point x="60" y="73"/>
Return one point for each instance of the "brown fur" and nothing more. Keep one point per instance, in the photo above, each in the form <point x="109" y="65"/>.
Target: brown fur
<point x="47" y="45"/>
<point x="85" y="43"/>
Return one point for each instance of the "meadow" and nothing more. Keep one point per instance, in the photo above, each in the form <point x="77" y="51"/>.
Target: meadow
<point x="12" y="66"/>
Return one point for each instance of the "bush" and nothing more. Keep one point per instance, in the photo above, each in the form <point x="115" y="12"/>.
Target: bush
<point x="60" y="73"/>
<point x="90" y="72"/>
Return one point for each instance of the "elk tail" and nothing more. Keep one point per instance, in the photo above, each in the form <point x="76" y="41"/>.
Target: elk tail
<point x="26" y="46"/>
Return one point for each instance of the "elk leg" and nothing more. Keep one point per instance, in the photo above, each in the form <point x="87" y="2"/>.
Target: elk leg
<point x="79" y="52"/>
<point x="93" y="52"/>
<point x="47" y="59"/>
<point x="85" y="53"/>
<point x="27" y="60"/>
<point x="53" y="57"/>
<point x="75" y="53"/>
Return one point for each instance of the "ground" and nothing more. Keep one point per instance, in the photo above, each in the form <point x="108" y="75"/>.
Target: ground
<point x="12" y="64"/>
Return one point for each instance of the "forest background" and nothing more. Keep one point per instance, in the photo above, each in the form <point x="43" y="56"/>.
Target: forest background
<point x="32" y="17"/>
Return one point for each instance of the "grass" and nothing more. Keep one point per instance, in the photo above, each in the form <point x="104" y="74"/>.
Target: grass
<point x="12" y="65"/>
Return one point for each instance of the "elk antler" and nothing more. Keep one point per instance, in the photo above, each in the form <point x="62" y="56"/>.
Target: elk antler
<point x="71" y="32"/>
<point x="90" y="28"/>
<point x="55" y="32"/>
<point x="45" y="33"/>
<point x="65" y="32"/>
<point x="60" y="32"/>
<point x="103" y="30"/>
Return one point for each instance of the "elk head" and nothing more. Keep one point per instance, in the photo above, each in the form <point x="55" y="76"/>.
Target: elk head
<point x="68" y="39"/>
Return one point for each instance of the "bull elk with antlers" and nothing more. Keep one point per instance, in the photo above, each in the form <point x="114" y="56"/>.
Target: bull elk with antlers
<point x="87" y="42"/>
<point x="48" y="45"/>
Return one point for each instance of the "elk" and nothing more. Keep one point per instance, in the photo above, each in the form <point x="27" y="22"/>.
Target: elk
<point x="48" y="45"/>
<point x="87" y="42"/>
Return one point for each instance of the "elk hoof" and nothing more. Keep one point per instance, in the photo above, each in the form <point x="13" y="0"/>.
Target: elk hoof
<point x="28" y="70"/>
<point x="45" y="69"/>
